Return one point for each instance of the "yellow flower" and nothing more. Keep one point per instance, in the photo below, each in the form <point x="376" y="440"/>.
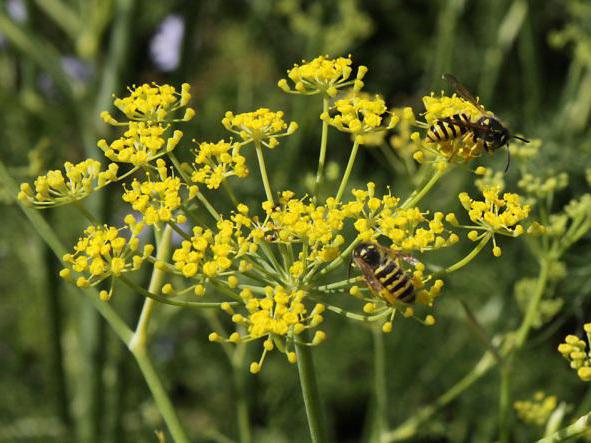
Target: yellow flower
<point x="536" y="411"/>
<point x="276" y="316"/>
<point x="322" y="75"/>
<point x="360" y="115"/>
<point x="575" y="351"/>
<point x="140" y="144"/>
<point x="496" y="214"/>
<point x="153" y="103"/>
<point x="214" y="162"/>
<point x="261" y="126"/>
<point x="102" y="253"/>
<point x="402" y="141"/>
<point x="81" y="179"/>
<point x="156" y="200"/>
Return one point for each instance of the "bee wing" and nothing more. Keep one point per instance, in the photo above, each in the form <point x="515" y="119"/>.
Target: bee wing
<point x="369" y="275"/>
<point x="462" y="91"/>
<point x="482" y="128"/>
<point x="398" y="254"/>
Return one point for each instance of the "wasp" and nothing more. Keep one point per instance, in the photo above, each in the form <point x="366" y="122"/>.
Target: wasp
<point x="487" y="128"/>
<point x="383" y="273"/>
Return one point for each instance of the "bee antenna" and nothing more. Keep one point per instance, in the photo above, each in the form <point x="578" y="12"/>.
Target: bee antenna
<point x="524" y="140"/>
<point x="508" y="160"/>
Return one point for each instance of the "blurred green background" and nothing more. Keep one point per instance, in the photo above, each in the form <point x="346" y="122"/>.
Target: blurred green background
<point x="65" y="377"/>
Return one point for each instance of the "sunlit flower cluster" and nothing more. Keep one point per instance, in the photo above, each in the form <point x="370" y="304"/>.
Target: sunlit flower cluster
<point x="323" y="75"/>
<point x="495" y="214"/>
<point x="140" y="144"/>
<point x="536" y="411"/>
<point x="103" y="252"/>
<point x="359" y="115"/>
<point x="215" y="162"/>
<point x="80" y="180"/>
<point x="158" y="200"/>
<point x="402" y="141"/>
<point x="153" y="103"/>
<point x="261" y="126"/>
<point x="279" y="316"/>
<point x="575" y="351"/>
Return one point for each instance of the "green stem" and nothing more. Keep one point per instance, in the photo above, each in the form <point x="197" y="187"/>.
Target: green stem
<point x="576" y="429"/>
<point x="468" y="258"/>
<point x="418" y="194"/>
<point x="532" y="307"/>
<point x="310" y="393"/>
<point x="345" y="179"/>
<point x="239" y="376"/>
<point x="86" y="213"/>
<point x="323" y="145"/>
<point x="263" y="169"/>
<point x="379" y="378"/>
<point x="505" y="403"/>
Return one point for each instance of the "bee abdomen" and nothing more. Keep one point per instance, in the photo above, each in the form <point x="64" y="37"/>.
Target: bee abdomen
<point x="448" y="128"/>
<point x="396" y="282"/>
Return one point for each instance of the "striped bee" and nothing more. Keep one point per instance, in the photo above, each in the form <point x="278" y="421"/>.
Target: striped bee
<point x="487" y="128"/>
<point x="383" y="274"/>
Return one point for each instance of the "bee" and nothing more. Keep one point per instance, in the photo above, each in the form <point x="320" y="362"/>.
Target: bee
<point x="383" y="273"/>
<point x="487" y="128"/>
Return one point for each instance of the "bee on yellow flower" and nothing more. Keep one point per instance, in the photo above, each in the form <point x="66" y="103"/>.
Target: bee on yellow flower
<point x="323" y="75"/>
<point x="215" y="162"/>
<point x="102" y="252"/>
<point x="81" y="179"/>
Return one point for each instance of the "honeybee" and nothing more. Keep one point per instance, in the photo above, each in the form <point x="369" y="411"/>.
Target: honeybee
<point x="383" y="273"/>
<point x="487" y="128"/>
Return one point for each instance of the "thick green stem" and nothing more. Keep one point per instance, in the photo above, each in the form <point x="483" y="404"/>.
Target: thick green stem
<point x="579" y="427"/>
<point x="239" y="375"/>
<point x="380" y="420"/>
<point x="323" y="145"/>
<point x="350" y="164"/>
<point x="419" y="193"/>
<point x="310" y="393"/>
<point x="264" y="176"/>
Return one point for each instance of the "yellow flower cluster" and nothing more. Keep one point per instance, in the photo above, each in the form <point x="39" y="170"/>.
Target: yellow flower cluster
<point x="102" y="253"/>
<point x="157" y="200"/>
<point x="140" y="144"/>
<point x="323" y="75"/>
<point x="81" y="179"/>
<point x="261" y="126"/>
<point x="495" y="214"/>
<point x="536" y="411"/>
<point x="360" y="115"/>
<point x="209" y="252"/>
<point x="279" y="316"/>
<point x="407" y="228"/>
<point x="459" y="149"/>
<point x="401" y="141"/>
<point x="574" y="350"/>
<point x="153" y="103"/>
<point x="541" y="188"/>
<point x="214" y="162"/>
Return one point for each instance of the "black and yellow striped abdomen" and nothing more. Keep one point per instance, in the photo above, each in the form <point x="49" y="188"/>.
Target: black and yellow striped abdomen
<point x="449" y="128"/>
<point x="395" y="281"/>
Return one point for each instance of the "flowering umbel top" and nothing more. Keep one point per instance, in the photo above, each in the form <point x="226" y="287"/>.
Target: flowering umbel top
<point x="261" y="126"/>
<point x="323" y="75"/>
<point x="215" y="162"/>
<point x="80" y="180"/>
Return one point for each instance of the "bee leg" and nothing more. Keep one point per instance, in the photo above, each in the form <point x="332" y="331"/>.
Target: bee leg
<point x="508" y="159"/>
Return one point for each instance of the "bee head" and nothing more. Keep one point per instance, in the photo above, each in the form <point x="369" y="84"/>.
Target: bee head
<point x="368" y="252"/>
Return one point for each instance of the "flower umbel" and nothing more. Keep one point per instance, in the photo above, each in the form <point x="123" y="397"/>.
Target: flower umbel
<point x="536" y="411"/>
<point x="261" y="126"/>
<point x="215" y="162"/>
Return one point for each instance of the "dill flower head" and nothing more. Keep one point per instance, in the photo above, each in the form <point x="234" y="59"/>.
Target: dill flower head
<point x="214" y="162"/>
<point x="80" y="180"/>
<point x="140" y="144"/>
<point x="279" y="316"/>
<point x="156" y="200"/>
<point x="495" y="214"/>
<point x="261" y="126"/>
<point x="536" y="411"/>
<point x="575" y="351"/>
<point x="322" y="75"/>
<point x="153" y="103"/>
<point x="360" y="115"/>
<point x="402" y="141"/>
<point x="102" y="252"/>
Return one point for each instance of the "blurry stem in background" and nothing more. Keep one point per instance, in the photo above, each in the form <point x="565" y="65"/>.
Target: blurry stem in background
<point x="322" y="155"/>
<point x="106" y="311"/>
<point x="263" y="170"/>
<point x="347" y="173"/>
<point x="239" y="375"/>
<point x="528" y="54"/>
<point x="449" y="13"/>
<point x="61" y="13"/>
<point x="310" y="393"/>
<point x="582" y="425"/>
<point x="508" y="30"/>
<point x="380" y="418"/>
<point x="505" y="402"/>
